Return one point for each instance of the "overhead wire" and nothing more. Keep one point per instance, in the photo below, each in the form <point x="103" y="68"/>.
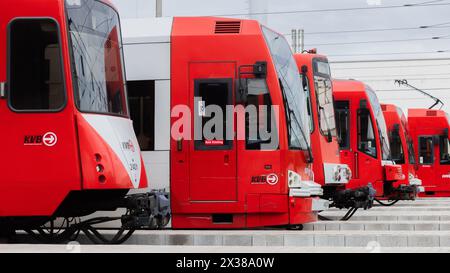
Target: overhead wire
<point x="424" y="4"/>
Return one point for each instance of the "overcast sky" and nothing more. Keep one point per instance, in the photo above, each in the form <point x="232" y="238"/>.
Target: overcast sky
<point x="331" y="21"/>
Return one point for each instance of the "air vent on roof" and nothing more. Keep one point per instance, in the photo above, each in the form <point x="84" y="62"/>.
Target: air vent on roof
<point x="431" y="113"/>
<point x="225" y="27"/>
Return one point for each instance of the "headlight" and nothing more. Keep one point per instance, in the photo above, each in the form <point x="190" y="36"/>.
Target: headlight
<point x="337" y="173"/>
<point x="348" y="173"/>
<point x="294" y="179"/>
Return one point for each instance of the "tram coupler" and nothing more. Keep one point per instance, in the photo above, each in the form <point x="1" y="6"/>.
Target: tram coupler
<point x="354" y="198"/>
<point x="403" y="192"/>
<point x="147" y="210"/>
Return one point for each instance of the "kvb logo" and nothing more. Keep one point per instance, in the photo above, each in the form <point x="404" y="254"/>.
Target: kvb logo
<point x="128" y="146"/>
<point x="271" y="179"/>
<point x="49" y="139"/>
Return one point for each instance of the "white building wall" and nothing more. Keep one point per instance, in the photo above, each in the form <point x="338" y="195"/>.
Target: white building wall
<point x="431" y="75"/>
<point x="136" y="8"/>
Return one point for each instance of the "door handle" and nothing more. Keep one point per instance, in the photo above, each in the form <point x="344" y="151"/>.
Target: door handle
<point x="2" y="90"/>
<point x="226" y="159"/>
<point x="180" y="144"/>
<point x="356" y="165"/>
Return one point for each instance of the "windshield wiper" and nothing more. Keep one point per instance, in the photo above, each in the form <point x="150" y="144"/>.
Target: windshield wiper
<point x="289" y="119"/>
<point x="290" y="111"/>
<point x="321" y="109"/>
<point x="384" y="142"/>
<point x="303" y="135"/>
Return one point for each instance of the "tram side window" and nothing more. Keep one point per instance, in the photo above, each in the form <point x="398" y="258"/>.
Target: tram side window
<point x="444" y="150"/>
<point x="141" y="99"/>
<point x="36" y="74"/>
<point x="260" y="127"/>
<point x="426" y="150"/>
<point x="210" y="103"/>
<point x="343" y="123"/>
<point x="366" y="133"/>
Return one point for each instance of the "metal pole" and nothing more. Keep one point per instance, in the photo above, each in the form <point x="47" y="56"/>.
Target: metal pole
<point x="301" y="37"/>
<point x="294" y="40"/>
<point x="158" y="8"/>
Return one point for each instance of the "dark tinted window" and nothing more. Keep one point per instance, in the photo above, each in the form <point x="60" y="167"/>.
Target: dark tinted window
<point x="366" y="133"/>
<point x="444" y="149"/>
<point x="36" y="79"/>
<point x="426" y="150"/>
<point x="397" y="152"/>
<point x="210" y="121"/>
<point x="343" y="123"/>
<point x="141" y="97"/>
<point x="411" y="154"/>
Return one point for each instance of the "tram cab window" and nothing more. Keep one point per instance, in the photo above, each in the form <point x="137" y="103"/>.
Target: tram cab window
<point x="343" y="123"/>
<point x="444" y="150"/>
<point x="260" y="126"/>
<point x="36" y="80"/>
<point x="397" y="153"/>
<point x="366" y="133"/>
<point x="426" y="150"/>
<point x="325" y="106"/>
<point x="306" y="90"/>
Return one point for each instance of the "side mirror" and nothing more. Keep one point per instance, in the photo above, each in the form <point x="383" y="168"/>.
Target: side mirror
<point x="260" y="69"/>
<point x="363" y="113"/>
<point x="2" y="90"/>
<point x="304" y="77"/>
<point x="257" y="70"/>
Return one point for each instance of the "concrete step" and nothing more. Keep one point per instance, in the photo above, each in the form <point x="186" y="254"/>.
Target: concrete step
<point x="423" y="202"/>
<point x="76" y="248"/>
<point x="391" y="215"/>
<point x="248" y="238"/>
<point x="404" y="208"/>
<point x="379" y="225"/>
